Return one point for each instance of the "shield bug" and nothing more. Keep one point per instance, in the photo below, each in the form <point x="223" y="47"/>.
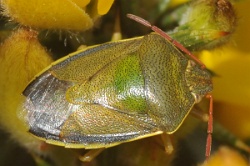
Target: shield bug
<point x="117" y="92"/>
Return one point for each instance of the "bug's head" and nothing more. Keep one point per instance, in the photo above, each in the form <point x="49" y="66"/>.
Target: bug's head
<point x="199" y="80"/>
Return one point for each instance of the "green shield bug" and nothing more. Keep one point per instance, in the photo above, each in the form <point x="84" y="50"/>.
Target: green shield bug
<point x="117" y="92"/>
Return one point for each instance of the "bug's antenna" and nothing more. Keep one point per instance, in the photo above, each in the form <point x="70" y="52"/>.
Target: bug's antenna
<point x="166" y="36"/>
<point x="210" y="126"/>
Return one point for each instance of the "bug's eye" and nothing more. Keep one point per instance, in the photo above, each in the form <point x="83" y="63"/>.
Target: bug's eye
<point x="197" y="97"/>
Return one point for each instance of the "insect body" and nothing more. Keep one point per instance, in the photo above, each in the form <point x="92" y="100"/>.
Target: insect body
<point x="115" y="92"/>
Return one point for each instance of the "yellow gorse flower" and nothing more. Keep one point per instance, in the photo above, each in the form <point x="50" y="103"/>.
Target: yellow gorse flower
<point x="225" y="156"/>
<point x="57" y="14"/>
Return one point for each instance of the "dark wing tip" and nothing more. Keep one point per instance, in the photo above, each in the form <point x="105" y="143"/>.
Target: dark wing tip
<point x="37" y="81"/>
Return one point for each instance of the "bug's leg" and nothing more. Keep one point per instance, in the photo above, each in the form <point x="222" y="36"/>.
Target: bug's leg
<point x="210" y="126"/>
<point x="197" y="112"/>
<point x="117" y="35"/>
<point x="168" y="146"/>
<point x="90" y="155"/>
